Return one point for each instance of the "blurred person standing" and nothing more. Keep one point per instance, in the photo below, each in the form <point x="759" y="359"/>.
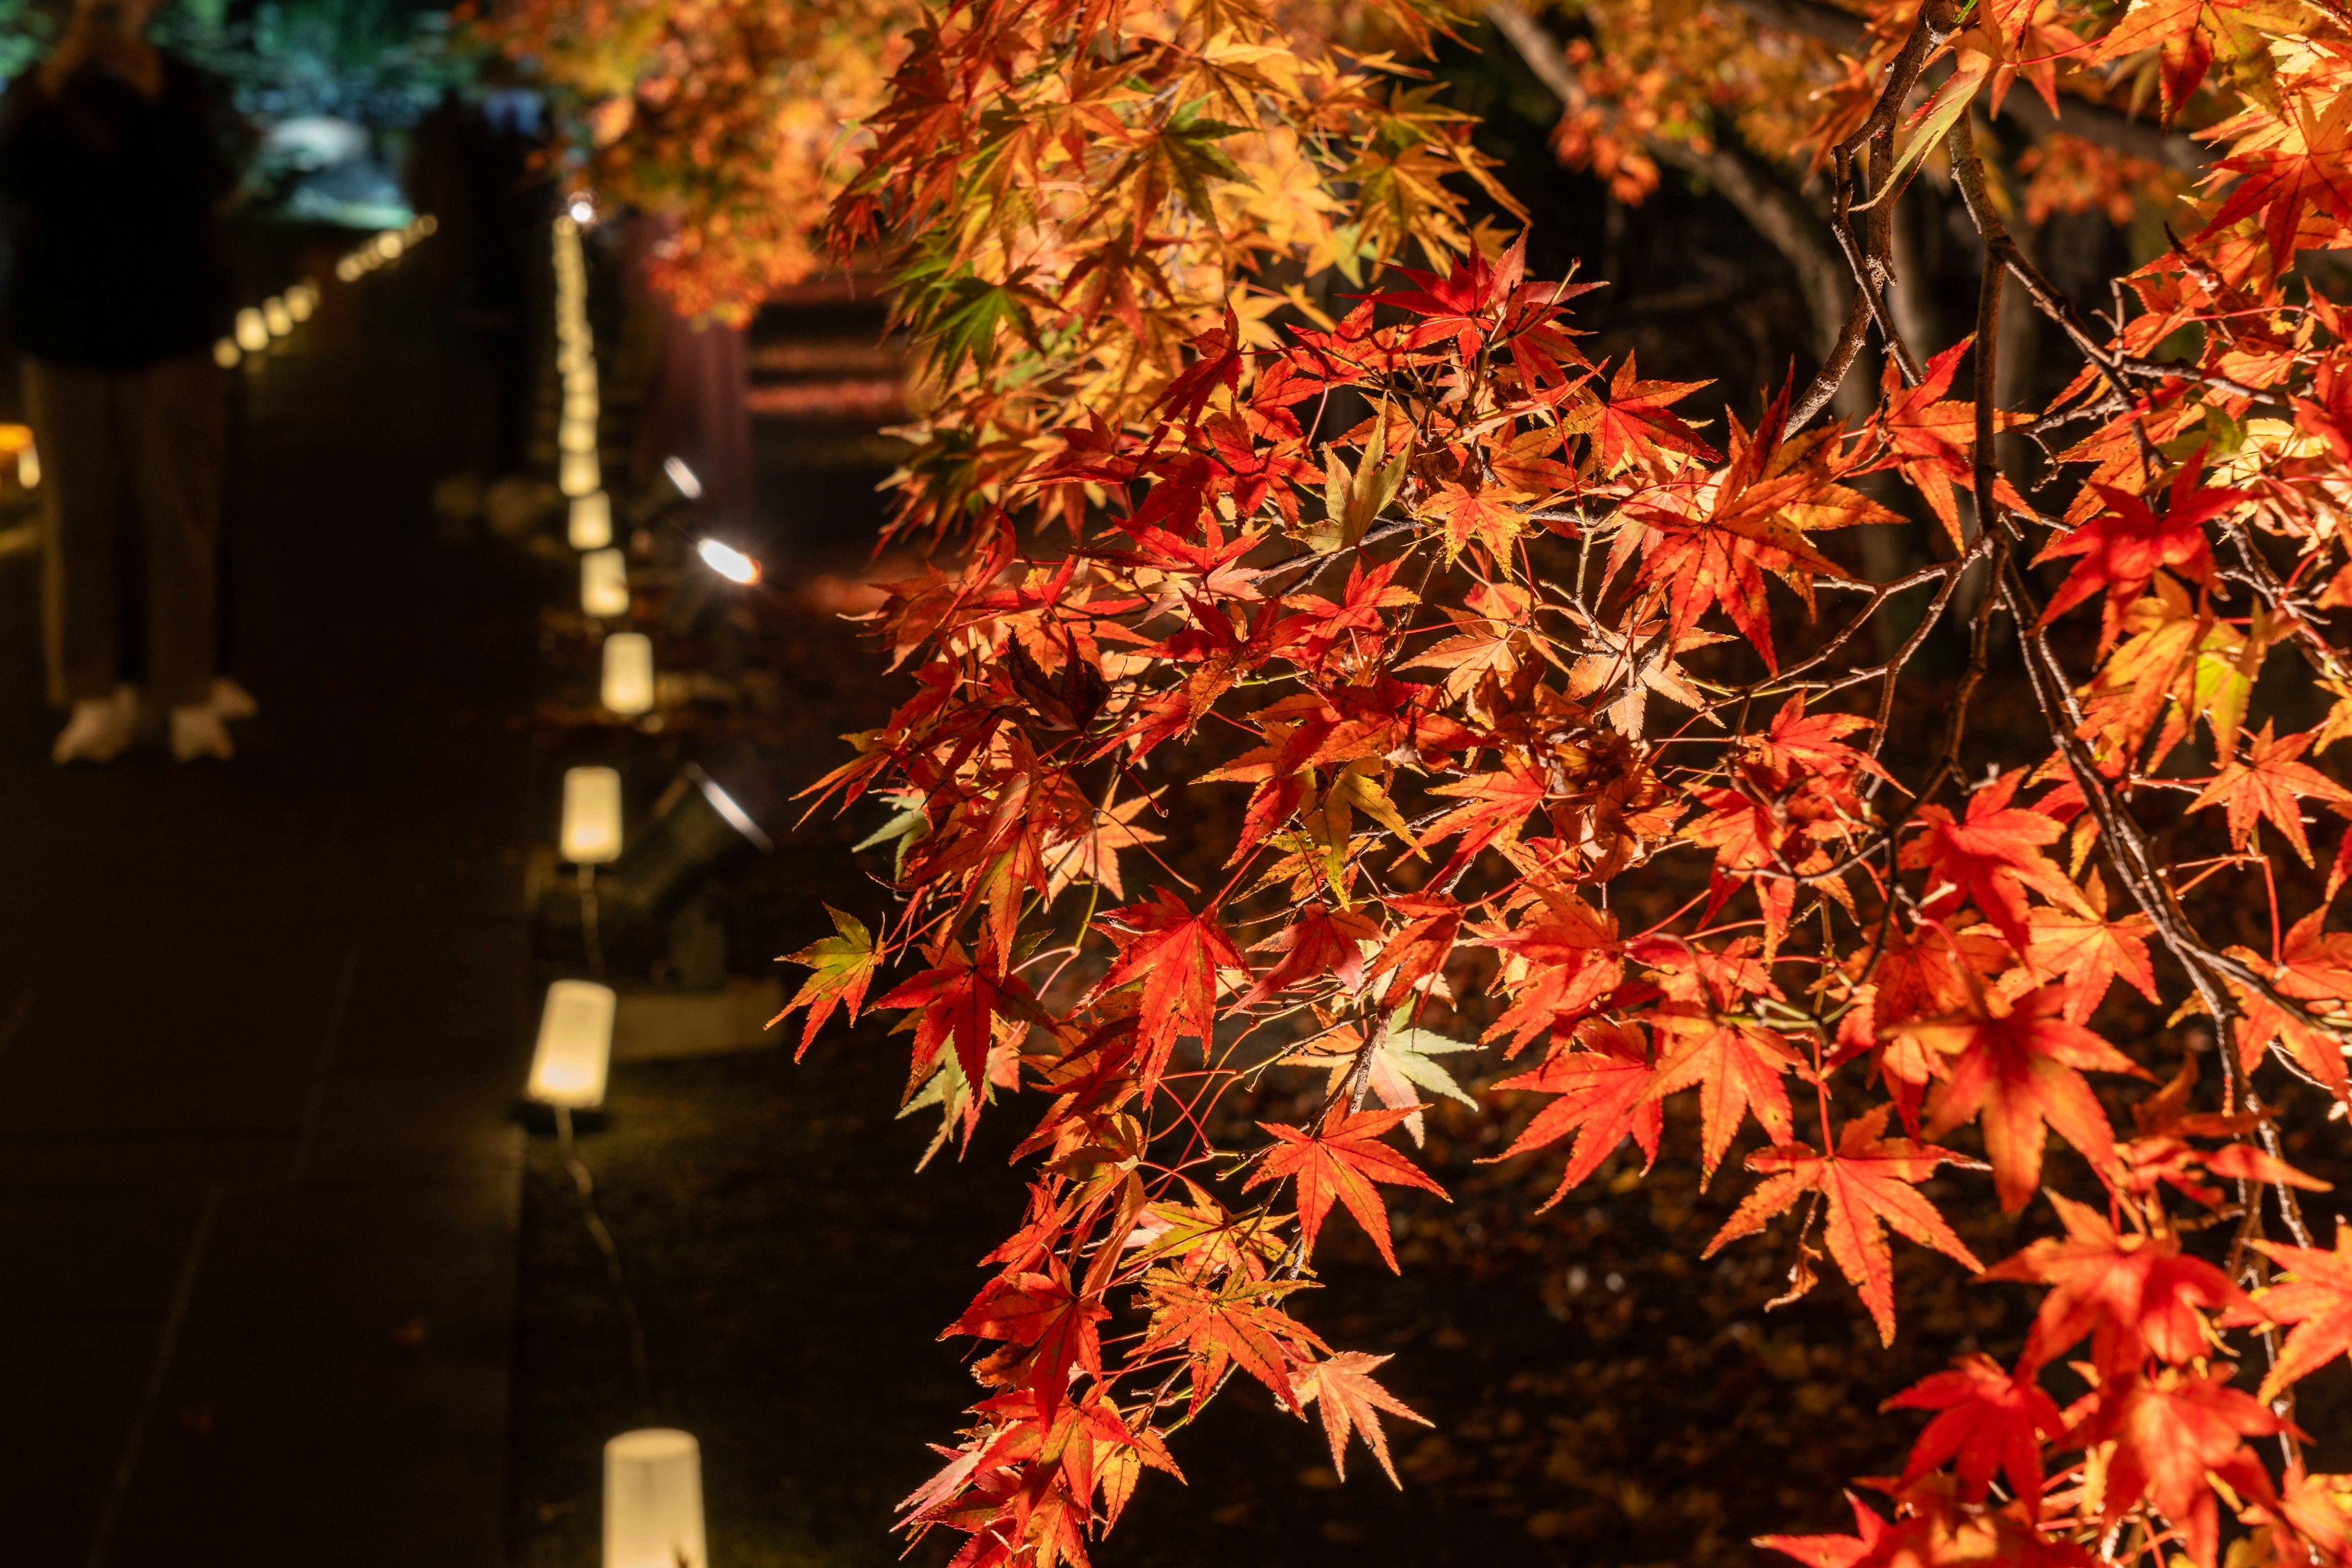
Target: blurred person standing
<point x="115" y="159"/>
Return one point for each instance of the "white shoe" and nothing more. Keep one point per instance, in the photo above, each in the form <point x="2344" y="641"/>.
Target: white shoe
<point x="197" y="731"/>
<point x="231" y="700"/>
<point x="99" y="729"/>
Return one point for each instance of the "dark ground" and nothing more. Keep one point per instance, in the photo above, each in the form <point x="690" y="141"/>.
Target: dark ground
<point x="263" y="1020"/>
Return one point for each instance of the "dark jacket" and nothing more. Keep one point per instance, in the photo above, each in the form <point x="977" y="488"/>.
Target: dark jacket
<point x="117" y="257"/>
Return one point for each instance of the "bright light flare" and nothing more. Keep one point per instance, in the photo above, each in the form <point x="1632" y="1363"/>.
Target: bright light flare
<point x="728" y="562"/>
<point x="683" y="477"/>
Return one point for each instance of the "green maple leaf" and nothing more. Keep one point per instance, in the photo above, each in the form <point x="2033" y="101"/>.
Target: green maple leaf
<point x="841" y="967"/>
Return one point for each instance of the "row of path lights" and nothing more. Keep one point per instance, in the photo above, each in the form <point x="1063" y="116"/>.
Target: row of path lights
<point x="653" y="1515"/>
<point x="258" y="326"/>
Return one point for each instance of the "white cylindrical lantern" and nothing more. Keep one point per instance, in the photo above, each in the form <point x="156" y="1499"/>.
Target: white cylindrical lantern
<point x="628" y="673"/>
<point x="592" y="815"/>
<point x="576" y="435"/>
<point x="276" y="316"/>
<point x="225" y="354"/>
<point x="603" y="584"/>
<point x="574" y="1053"/>
<point x="653" y="1500"/>
<point x="577" y="473"/>
<point x="591" y="521"/>
<point x="252" y="331"/>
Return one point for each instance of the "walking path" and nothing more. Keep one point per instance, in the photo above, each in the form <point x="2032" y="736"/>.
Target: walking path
<point x="262" y="1024"/>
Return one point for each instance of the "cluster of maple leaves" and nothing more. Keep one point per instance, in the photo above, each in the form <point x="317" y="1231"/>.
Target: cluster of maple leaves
<point x="1467" y="648"/>
<point x="732" y="120"/>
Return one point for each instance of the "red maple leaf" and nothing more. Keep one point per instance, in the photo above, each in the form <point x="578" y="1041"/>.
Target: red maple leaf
<point x="1240" y="1323"/>
<point x="1868" y="1183"/>
<point x="1932" y="436"/>
<point x="1342" y="1160"/>
<point x="2019" y="1072"/>
<point x="2135" y="1295"/>
<point x="2123" y="545"/>
<point x="1039" y="1310"/>
<point x="1605" y="1098"/>
<point x="1991" y="1420"/>
<point x="1176" y="953"/>
<point x="1989" y="858"/>
<point x="1321" y="941"/>
<point x="959" y="1000"/>
<point x="1635" y="422"/>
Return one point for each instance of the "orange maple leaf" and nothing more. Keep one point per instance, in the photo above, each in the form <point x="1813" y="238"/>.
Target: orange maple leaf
<point x="1352" y="1400"/>
<point x="2315" y="1296"/>
<point x="1342" y="1160"/>
<point x="1738" y="1068"/>
<point x="2265" y="785"/>
<point x="1176" y="953"/>
<point x="1868" y="1184"/>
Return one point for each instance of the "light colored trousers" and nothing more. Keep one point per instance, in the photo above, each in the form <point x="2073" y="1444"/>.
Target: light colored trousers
<point x="149" y="444"/>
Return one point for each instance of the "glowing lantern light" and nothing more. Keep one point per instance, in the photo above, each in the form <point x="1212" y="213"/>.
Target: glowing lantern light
<point x="728" y="562"/>
<point x="574" y="1054"/>
<point x="653" y="1500"/>
<point x="591" y="527"/>
<point x="348" y="269"/>
<point x="225" y="354"/>
<point x="576" y="435"/>
<point x="579" y="404"/>
<point x="252" y="331"/>
<point x="603" y="584"/>
<point x="592" y="815"/>
<point x="628" y="673"/>
<point x="579" y="473"/>
<point x="389" y="245"/>
<point x="427" y="223"/>
<point x="300" y="300"/>
<point x="29" y="466"/>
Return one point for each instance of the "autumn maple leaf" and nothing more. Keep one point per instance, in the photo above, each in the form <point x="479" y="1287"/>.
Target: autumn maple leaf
<point x="1931" y="436"/>
<point x="1238" y="1323"/>
<point x="1991" y="1420"/>
<point x="2266" y="785"/>
<point x="2019" y="1072"/>
<point x="2080" y="943"/>
<point x="841" y="967"/>
<point x="1603" y="1098"/>
<point x="1867" y="1182"/>
<point x="2134" y="1294"/>
<point x="1342" y="1158"/>
<point x="1176" y="954"/>
<point x="1351" y="1400"/>
<point x="1989" y="858"/>
<point x="2170" y="1431"/>
<point x="1738" y="1069"/>
<point x="2315" y="1296"/>
<point x="2301" y="171"/>
<point x="2124" y="544"/>
<point x="1040" y="1311"/>
<point x="1635" y="422"/>
<point x="960" y="1000"/>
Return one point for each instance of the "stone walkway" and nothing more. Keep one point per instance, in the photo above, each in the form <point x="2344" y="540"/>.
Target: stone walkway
<point x="262" y="1024"/>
